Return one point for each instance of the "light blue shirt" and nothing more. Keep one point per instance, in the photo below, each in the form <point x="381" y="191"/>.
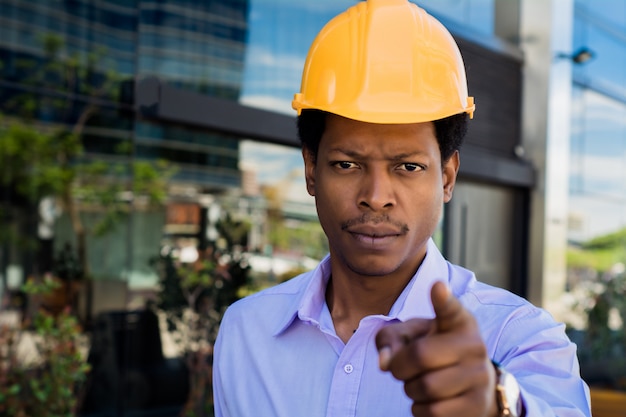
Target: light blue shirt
<point x="277" y="353"/>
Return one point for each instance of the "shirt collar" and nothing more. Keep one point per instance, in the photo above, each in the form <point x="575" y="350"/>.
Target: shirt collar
<point x="415" y="299"/>
<point x="413" y="302"/>
<point x="309" y="301"/>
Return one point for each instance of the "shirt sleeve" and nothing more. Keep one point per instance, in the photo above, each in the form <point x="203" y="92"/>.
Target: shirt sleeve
<point x="219" y="405"/>
<point x="536" y="350"/>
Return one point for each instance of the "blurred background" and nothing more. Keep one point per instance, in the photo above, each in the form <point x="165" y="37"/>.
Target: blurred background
<point x="150" y="175"/>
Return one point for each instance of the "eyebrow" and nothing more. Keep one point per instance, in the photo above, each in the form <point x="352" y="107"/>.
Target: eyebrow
<point x="397" y="157"/>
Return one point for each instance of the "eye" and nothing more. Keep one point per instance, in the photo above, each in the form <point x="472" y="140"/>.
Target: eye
<point x="411" y="167"/>
<point x="345" y="164"/>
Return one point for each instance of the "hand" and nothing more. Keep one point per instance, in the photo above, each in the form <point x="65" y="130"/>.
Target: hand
<point x="442" y="361"/>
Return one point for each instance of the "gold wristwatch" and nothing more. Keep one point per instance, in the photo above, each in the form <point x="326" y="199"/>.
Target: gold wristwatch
<point x="507" y="394"/>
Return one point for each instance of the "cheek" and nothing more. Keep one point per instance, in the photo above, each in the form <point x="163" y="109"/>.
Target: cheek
<point x="328" y="215"/>
<point x="425" y="207"/>
<point x="330" y="199"/>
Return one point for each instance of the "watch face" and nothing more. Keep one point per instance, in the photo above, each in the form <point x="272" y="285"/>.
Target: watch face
<point x="511" y="388"/>
<point x="512" y="394"/>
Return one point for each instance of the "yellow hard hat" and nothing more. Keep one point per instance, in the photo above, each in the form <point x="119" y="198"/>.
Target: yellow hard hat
<point x="385" y="61"/>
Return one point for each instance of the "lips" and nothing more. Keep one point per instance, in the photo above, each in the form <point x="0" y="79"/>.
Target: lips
<point x="378" y="236"/>
<point x="375" y="231"/>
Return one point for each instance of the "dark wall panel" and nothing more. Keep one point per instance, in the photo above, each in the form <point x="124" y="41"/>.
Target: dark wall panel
<point x="495" y="81"/>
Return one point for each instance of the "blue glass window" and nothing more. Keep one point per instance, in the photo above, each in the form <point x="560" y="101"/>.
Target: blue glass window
<point x="597" y="179"/>
<point x="607" y="38"/>
<point x="475" y="14"/>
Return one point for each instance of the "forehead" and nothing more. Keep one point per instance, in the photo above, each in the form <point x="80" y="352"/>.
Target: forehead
<point x="356" y="135"/>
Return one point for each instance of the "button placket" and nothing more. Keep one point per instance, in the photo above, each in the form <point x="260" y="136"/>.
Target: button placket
<point x="344" y="391"/>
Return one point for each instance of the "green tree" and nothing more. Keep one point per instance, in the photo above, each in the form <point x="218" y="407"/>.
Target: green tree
<point x="194" y="297"/>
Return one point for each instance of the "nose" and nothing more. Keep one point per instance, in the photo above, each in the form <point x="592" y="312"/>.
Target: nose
<point x="376" y="191"/>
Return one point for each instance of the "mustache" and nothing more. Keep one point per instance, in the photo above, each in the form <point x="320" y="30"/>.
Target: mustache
<point x="366" y="218"/>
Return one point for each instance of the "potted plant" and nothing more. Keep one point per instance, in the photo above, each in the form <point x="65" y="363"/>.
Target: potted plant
<point x="42" y="361"/>
<point x="597" y="280"/>
<point x="602" y="343"/>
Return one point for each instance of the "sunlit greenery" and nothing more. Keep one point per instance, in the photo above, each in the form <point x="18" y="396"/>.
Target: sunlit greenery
<point x="600" y="253"/>
<point x="305" y="236"/>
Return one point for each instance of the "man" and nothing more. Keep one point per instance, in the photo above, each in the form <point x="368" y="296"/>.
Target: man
<point x="385" y="326"/>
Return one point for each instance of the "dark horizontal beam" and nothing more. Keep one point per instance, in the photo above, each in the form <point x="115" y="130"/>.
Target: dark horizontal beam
<point x="479" y="165"/>
<point x="157" y="100"/>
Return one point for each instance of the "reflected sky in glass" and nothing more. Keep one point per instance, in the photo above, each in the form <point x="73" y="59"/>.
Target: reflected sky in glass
<point x="280" y="34"/>
<point x="597" y="165"/>
<point x="597" y="181"/>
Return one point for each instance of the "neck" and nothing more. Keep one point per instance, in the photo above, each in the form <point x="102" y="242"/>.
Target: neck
<point x="351" y="299"/>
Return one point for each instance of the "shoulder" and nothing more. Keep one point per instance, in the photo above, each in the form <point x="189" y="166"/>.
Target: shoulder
<point x="497" y="306"/>
<point x="477" y="295"/>
<point x="511" y="324"/>
<point x="494" y="303"/>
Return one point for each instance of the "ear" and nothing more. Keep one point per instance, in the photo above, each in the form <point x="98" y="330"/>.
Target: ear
<point x="450" y="171"/>
<point x="309" y="171"/>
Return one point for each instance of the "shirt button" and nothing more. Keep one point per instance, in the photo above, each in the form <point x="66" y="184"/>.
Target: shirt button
<point x="348" y="369"/>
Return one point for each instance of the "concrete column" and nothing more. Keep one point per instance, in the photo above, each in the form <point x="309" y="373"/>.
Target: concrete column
<point x="546" y="30"/>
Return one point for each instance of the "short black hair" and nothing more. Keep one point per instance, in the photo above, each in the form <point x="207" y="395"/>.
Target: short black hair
<point x="450" y="132"/>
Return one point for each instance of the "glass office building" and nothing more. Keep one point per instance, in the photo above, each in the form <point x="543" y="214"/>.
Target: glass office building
<point x="207" y="86"/>
<point x="598" y="145"/>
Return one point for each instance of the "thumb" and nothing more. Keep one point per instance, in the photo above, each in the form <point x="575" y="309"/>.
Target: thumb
<point x="449" y="313"/>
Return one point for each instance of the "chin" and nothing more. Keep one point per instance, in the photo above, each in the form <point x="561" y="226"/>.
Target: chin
<point x="373" y="266"/>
